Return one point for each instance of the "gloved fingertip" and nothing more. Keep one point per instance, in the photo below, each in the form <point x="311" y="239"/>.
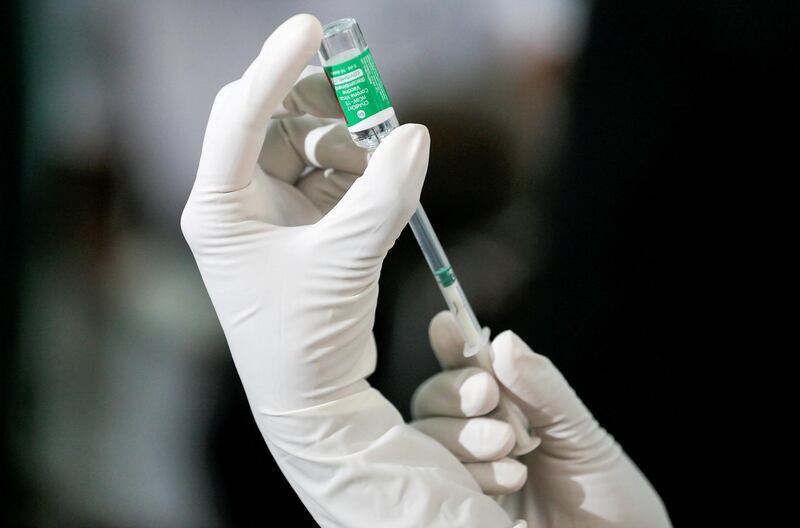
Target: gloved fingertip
<point x="395" y="173"/>
<point x="270" y="77"/>
<point x="488" y="439"/>
<point x="441" y="323"/>
<point x="375" y="209"/>
<point x="406" y="149"/>
<point x="442" y="318"/>
<point x="500" y="477"/>
<point x="479" y="394"/>
<point x="421" y="133"/>
<point x="504" y="340"/>
<point x="303" y="27"/>
<point x="410" y="132"/>
<point x="509" y="351"/>
<point x="530" y="377"/>
<point x="510" y="474"/>
<point x="446" y="340"/>
<point x="507" y="348"/>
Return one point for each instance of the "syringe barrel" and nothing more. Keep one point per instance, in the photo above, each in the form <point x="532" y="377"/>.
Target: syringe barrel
<point x="457" y="302"/>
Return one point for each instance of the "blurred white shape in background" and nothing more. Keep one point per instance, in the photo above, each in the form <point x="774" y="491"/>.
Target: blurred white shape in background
<point x="552" y="28"/>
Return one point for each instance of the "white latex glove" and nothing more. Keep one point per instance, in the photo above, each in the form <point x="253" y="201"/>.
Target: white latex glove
<point x="290" y="242"/>
<point x="578" y="476"/>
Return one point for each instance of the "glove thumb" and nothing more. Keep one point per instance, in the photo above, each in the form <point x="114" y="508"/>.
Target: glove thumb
<point x="554" y="411"/>
<point x="363" y="226"/>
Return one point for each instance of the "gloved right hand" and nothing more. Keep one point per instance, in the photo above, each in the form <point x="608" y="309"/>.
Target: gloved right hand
<point x="578" y="476"/>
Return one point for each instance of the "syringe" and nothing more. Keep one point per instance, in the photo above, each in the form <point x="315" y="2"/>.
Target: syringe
<point x="370" y="118"/>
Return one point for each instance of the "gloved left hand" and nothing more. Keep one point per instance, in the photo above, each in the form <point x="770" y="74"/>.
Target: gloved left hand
<point x="290" y="241"/>
<point x="578" y="476"/>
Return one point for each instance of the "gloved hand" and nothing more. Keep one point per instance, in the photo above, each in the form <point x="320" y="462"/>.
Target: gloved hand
<point x="290" y="241"/>
<point x="578" y="476"/>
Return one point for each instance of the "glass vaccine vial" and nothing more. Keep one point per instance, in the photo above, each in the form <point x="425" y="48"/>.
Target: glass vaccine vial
<point x="351" y="70"/>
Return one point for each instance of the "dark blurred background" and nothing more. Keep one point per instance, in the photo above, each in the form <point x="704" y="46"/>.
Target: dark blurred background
<point x="563" y="134"/>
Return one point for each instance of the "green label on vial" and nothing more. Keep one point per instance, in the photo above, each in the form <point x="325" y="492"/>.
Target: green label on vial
<point x="359" y="88"/>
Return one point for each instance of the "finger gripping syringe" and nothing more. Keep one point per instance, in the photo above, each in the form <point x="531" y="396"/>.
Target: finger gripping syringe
<point x="366" y="106"/>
